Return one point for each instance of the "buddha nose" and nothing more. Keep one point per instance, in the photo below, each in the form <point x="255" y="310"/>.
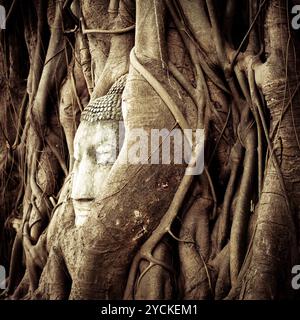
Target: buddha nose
<point x="83" y="180"/>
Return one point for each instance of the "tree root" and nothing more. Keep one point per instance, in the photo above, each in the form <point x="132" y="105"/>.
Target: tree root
<point x="223" y="282"/>
<point x="155" y="281"/>
<point x="164" y="227"/>
<point x="194" y="250"/>
<point x="241" y="215"/>
<point x="224" y="218"/>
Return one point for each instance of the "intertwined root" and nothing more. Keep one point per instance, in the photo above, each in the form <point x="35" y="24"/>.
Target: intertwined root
<point x="164" y="228"/>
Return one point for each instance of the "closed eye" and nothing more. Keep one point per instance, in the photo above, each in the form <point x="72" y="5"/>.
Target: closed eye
<point x="106" y="154"/>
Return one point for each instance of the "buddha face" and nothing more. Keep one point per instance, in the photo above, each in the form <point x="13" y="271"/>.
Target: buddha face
<point x="95" y="151"/>
<point x="96" y="147"/>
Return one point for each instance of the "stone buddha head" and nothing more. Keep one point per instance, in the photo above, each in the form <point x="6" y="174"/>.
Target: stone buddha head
<point x="96" y="147"/>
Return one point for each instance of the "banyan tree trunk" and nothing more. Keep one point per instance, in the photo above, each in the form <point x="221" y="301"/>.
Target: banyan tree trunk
<point x="121" y="226"/>
<point x="230" y="67"/>
<point x="274" y="250"/>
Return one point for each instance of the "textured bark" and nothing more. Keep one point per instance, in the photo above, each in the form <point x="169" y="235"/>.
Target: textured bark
<point x="275" y="242"/>
<point x="230" y="68"/>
